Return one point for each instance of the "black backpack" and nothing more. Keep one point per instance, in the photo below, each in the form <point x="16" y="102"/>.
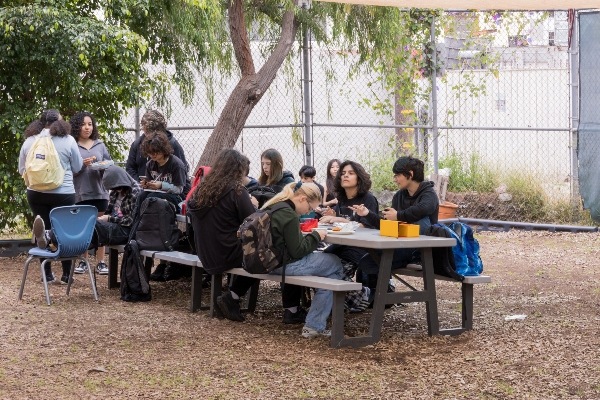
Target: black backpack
<point x="262" y="194"/>
<point x="134" y="282"/>
<point x="259" y="256"/>
<point x="156" y="225"/>
<point x="443" y="257"/>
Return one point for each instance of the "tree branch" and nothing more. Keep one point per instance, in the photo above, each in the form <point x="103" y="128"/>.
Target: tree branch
<point x="239" y="38"/>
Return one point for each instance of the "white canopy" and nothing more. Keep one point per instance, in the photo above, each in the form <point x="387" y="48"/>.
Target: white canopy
<point x="481" y="4"/>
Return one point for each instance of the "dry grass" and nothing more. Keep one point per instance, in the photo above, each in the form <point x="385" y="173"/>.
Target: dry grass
<point x="78" y="349"/>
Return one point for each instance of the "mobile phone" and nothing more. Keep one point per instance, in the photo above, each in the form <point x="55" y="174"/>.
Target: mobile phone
<point x="142" y="178"/>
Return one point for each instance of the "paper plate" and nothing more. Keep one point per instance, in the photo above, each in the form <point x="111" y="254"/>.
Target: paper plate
<point x="339" y="232"/>
<point x="101" y="164"/>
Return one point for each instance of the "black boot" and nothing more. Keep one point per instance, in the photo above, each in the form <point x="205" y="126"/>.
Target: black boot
<point x="159" y="273"/>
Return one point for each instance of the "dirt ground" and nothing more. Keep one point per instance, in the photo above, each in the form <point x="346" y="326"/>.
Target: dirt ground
<point x="79" y="349"/>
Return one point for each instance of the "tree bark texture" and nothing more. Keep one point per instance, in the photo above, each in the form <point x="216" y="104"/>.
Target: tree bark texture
<point x="252" y="85"/>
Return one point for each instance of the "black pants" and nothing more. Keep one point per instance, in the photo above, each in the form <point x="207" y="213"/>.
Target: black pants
<point x="290" y="294"/>
<point x="109" y="233"/>
<point x="41" y="204"/>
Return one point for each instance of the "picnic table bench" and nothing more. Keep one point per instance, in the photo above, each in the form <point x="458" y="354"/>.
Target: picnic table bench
<point x="369" y="239"/>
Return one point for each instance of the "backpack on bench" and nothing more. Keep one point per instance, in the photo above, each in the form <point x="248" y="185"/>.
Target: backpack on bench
<point x="259" y="256"/>
<point x="156" y="225"/>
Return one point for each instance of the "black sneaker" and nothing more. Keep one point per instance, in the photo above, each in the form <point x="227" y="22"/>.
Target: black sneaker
<point x="171" y="273"/>
<point x="230" y="307"/>
<point x="65" y="279"/>
<point x="159" y="273"/>
<point x="298" y="317"/>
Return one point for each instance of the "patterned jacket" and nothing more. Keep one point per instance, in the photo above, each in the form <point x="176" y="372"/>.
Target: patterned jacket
<point x="127" y="206"/>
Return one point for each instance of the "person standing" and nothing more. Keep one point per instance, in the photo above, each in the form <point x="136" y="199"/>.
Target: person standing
<point x="42" y="202"/>
<point x="88" y="182"/>
<point x="152" y="121"/>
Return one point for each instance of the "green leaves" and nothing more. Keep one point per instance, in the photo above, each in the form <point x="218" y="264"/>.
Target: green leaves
<point x="57" y="58"/>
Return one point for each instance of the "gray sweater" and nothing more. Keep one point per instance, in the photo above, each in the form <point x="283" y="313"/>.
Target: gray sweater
<point x="70" y="159"/>
<point x="88" y="182"/>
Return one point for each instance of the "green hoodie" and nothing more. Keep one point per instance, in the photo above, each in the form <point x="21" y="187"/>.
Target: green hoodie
<point x="286" y="234"/>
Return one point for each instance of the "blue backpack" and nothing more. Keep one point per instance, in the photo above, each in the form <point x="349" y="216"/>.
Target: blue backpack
<point x="466" y="252"/>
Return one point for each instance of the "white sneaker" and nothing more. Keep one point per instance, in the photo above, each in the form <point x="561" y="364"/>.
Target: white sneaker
<point x="102" y="268"/>
<point x="39" y="232"/>
<point x="311" y="333"/>
<point x="82" y="268"/>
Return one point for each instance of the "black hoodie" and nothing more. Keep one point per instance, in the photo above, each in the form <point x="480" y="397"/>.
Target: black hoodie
<point x="136" y="162"/>
<point x="215" y="230"/>
<point x="424" y="203"/>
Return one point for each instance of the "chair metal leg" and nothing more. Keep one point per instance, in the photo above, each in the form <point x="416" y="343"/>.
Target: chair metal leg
<point x="25" y="269"/>
<point x="92" y="273"/>
<point x="70" y="280"/>
<point x="42" y="265"/>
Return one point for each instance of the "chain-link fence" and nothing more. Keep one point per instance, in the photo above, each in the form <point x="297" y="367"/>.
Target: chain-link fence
<point x="498" y="118"/>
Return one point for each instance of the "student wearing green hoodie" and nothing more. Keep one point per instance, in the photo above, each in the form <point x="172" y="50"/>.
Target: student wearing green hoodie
<point x="301" y="258"/>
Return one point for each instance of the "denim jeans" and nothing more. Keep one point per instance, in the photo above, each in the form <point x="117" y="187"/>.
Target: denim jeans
<point x="317" y="264"/>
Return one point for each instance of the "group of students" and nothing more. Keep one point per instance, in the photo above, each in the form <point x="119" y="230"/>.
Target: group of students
<point x="156" y="162"/>
<point x="219" y="205"/>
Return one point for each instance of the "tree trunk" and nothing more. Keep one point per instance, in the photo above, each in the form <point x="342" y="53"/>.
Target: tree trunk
<point x="252" y="85"/>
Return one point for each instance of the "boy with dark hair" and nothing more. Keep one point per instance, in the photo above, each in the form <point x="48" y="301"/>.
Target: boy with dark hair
<point x="415" y="203"/>
<point x="307" y="174"/>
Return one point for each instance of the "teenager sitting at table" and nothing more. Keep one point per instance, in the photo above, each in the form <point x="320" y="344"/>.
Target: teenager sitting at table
<point x="217" y="207"/>
<point x="166" y="178"/>
<point x="352" y="185"/>
<point x="415" y="203"/>
<point x="300" y="256"/>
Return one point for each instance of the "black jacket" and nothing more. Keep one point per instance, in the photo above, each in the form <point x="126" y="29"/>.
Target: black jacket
<point x="424" y="203"/>
<point x="136" y="162"/>
<point x="215" y="231"/>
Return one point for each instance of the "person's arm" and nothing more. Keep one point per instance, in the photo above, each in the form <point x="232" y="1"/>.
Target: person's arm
<point x="371" y="204"/>
<point x="75" y="157"/>
<point x="425" y="205"/>
<point x="297" y="244"/>
<point x="178" y="151"/>
<point x="105" y="153"/>
<point x="131" y="166"/>
<point x="244" y="205"/>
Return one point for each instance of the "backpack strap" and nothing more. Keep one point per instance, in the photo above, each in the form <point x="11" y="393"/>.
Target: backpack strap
<point x="271" y="209"/>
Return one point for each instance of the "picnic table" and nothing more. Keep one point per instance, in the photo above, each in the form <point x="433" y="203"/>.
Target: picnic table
<point x="372" y="240"/>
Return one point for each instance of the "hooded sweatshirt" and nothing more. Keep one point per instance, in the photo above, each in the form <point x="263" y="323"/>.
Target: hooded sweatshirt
<point x="411" y="209"/>
<point x="215" y="230"/>
<point x="118" y="181"/>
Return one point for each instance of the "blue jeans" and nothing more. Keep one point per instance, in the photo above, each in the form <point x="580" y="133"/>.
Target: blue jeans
<point x="317" y="264"/>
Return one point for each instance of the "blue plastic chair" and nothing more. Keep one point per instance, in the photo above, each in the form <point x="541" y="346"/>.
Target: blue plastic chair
<point x="73" y="227"/>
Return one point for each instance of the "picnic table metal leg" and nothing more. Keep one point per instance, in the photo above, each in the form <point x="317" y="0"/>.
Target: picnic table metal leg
<point x="253" y="296"/>
<point x="196" y="302"/>
<point x="337" y="319"/>
<point x="433" y="326"/>
<point x="381" y="294"/>
<point x="215" y="291"/>
<point x="467" y="306"/>
<point x="113" y="268"/>
<point x="381" y="299"/>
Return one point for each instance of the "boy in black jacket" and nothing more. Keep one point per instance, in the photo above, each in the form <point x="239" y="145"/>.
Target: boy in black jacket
<point x="415" y="203"/>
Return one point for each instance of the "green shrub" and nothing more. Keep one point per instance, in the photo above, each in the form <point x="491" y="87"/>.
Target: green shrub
<point x="528" y="196"/>
<point x="469" y="174"/>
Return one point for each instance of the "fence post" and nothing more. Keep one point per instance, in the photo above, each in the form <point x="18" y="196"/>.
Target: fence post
<point x="137" y="122"/>
<point x="434" y="124"/>
<point x="307" y="92"/>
